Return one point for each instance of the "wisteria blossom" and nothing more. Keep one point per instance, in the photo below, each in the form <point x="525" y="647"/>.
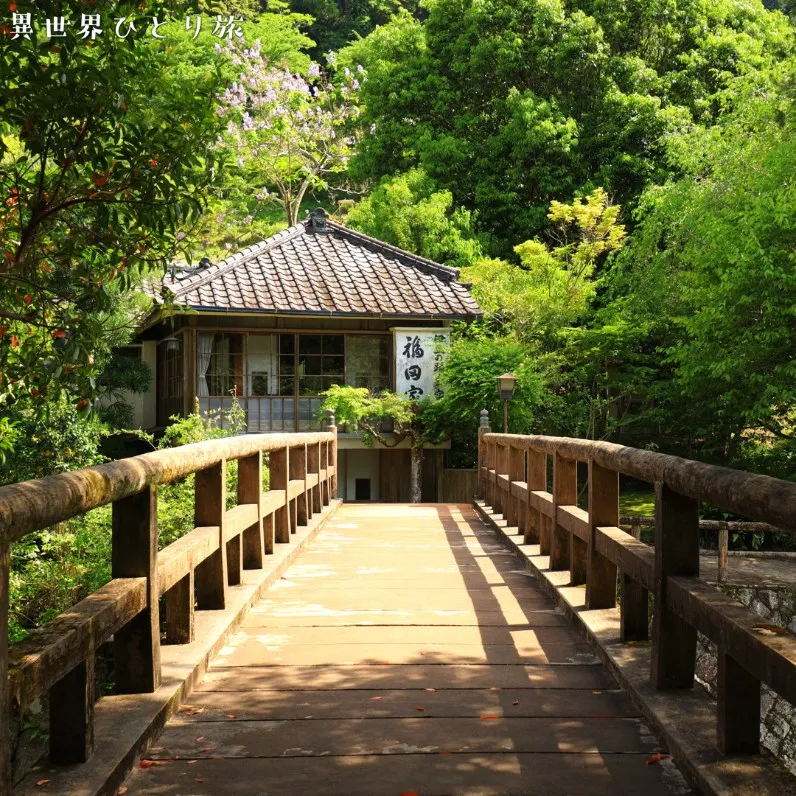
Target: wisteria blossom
<point x="292" y="131"/>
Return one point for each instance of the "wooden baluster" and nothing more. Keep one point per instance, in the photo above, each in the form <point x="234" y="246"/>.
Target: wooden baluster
<point x="331" y="427"/>
<point x="738" y="707"/>
<point x="250" y="489"/>
<point x="483" y="480"/>
<point x="134" y="554"/>
<point x="5" y="693"/>
<point x="578" y="551"/>
<point x="516" y="471"/>
<point x="298" y="472"/>
<point x="634" y="624"/>
<point x="724" y="544"/>
<point x="565" y="493"/>
<point x="278" y="462"/>
<point x="676" y="553"/>
<point x="314" y="468"/>
<point x="501" y="468"/>
<point x="491" y="452"/>
<point x="603" y="511"/>
<point x="537" y="482"/>
<point x="210" y="497"/>
<point x="326" y="486"/>
<point x="72" y="714"/>
<point x="180" y="611"/>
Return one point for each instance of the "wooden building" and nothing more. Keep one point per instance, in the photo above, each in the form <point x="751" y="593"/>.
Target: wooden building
<point x="281" y="321"/>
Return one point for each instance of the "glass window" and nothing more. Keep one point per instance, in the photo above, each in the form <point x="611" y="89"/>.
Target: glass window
<point x="321" y="362"/>
<point x="219" y="364"/>
<point x="368" y="361"/>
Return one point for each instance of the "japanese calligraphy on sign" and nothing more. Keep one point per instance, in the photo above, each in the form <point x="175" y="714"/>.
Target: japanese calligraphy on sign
<point x="418" y="355"/>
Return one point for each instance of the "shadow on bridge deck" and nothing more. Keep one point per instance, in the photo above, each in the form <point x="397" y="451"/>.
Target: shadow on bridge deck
<point x="406" y="652"/>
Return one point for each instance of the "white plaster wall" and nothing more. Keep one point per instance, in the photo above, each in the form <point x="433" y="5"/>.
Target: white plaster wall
<point x="362" y="464"/>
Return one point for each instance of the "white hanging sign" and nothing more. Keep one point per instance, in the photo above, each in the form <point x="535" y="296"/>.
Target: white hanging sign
<point x="418" y="354"/>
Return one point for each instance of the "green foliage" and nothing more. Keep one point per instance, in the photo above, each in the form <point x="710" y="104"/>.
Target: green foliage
<point x="711" y="276"/>
<point x="468" y="380"/>
<point x="103" y="157"/>
<point x="53" y="440"/>
<point x="509" y="104"/>
<point x="357" y="409"/>
<point x="407" y="211"/>
<point x="337" y="22"/>
<point x="554" y="284"/>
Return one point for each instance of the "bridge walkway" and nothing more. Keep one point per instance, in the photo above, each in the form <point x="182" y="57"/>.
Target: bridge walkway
<point x="406" y="652"/>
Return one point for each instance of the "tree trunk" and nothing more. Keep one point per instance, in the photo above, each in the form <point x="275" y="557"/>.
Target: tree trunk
<point x="416" y="471"/>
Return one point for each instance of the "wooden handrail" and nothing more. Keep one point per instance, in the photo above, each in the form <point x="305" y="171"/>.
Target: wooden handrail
<point x="192" y="573"/>
<point x="513" y="480"/>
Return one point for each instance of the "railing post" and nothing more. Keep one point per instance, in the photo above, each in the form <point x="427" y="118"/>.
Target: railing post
<point x="676" y="553"/>
<point x="210" y="490"/>
<point x="5" y="691"/>
<point x="537" y="482"/>
<point x="134" y="554"/>
<point x="331" y="427"/>
<point x="298" y="472"/>
<point x="250" y="489"/>
<point x="278" y="462"/>
<point x="491" y="463"/>
<point x="314" y="468"/>
<point x="738" y="694"/>
<point x="516" y="471"/>
<point x="501" y="468"/>
<point x="72" y="714"/>
<point x="634" y="620"/>
<point x="565" y="493"/>
<point x="603" y="511"/>
<point x="180" y="611"/>
<point x="723" y="556"/>
<point x="483" y="428"/>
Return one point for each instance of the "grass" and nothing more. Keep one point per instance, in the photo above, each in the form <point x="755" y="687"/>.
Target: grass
<point x="637" y="503"/>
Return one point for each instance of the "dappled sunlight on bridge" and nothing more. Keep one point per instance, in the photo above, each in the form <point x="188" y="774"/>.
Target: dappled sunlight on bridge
<point x="406" y="651"/>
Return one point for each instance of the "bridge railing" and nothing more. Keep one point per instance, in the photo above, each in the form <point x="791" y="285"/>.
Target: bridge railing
<point x="193" y="572"/>
<point x="513" y="479"/>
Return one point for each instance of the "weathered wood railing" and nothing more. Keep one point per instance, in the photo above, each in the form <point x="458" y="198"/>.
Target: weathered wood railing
<point x="513" y="481"/>
<point x="194" y="571"/>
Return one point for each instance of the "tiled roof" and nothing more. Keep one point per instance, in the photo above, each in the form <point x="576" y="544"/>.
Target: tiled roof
<point x="319" y="266"/>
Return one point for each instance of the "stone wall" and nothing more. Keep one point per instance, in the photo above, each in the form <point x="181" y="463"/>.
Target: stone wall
<point x="777" y="606"/>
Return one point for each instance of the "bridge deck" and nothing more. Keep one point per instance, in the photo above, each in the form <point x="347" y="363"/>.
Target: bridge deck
<point x="406" y="652"/>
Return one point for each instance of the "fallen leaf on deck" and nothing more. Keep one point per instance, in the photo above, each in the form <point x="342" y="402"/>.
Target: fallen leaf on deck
<point x="200" y="738"/>
<point x="150" y="763"/>
<point x="431" y="689"/>
<point x="374" y="698"/>
<point x="122" y="790"/>
<point x="198" y="779"/>
<point x="489" y="716"/>
<point x="517" y="702"/>
<point x="656" y="758"/>
<point x="422" y="710"/>
<point x="190" y="762"/>
<point x="230" y="715"/>
<point x="42" y="781"/>
<point x="495" y="688"/>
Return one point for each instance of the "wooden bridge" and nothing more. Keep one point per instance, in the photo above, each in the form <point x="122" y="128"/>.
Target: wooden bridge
<point x="293" y="645"/>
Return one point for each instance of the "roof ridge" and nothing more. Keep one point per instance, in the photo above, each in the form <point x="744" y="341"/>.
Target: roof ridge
<point x="228" y="263"/>
<point x="401" y="254"/>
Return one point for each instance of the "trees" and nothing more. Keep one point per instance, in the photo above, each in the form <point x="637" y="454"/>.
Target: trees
<point x="710" y="275"/>
<point x="407" y="211"/>
<point x="287" y="132"/>
<point x="357" y="409"/>
<point x="104" y="158"/>
<point x="509" y="104"/>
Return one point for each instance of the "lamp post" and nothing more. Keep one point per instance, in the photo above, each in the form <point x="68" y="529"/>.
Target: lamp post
<point x="506" y="384"/>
